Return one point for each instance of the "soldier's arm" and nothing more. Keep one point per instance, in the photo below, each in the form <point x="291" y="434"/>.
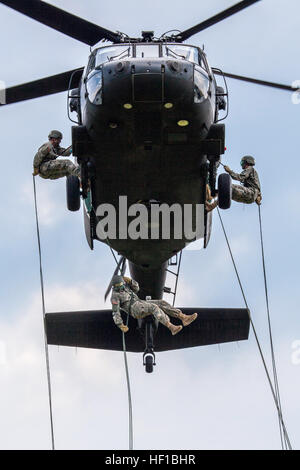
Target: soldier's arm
<point x="117" y="318"/>
<point x="240" y="176"/>
<point x="132" y="284"/>
<point x="42" y="152"/>
<point x="65" y="152"/>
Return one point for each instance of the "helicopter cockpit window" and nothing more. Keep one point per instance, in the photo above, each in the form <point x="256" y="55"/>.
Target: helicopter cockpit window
<point x="106" y="54"/>
<point x="189" y="53"/>
<point x="144" y="50"/>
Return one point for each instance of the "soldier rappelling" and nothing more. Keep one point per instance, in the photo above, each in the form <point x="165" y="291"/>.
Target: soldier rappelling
<point x="124" y="296"/>
<point x="249" y="191"/>
<point x="45" y="162"/>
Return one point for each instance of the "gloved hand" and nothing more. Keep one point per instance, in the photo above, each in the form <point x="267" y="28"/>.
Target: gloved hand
<point x="124" y="328"/>
<point x="258" y="200"/>
<point x="226" y="168"/>
<point x="127" y="279"/>
<point x="35" y="172"/>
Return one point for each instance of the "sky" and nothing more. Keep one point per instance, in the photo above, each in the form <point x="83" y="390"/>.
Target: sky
<point x="214" y="397"/>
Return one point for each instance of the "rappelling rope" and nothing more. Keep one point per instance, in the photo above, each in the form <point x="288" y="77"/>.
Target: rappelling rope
<point x="257" y="340"/>
<point x="270" y="328"/>
<point x="44" y="316"/>
<point x="130" y="420"/>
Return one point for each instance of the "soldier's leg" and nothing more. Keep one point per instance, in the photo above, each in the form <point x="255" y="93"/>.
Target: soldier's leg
<point x="142" y="309"/>
<point x="167" y="308"/>
<point x="175" y="312"/>
<point x="242" y="194"/>
<point x="58" y="169"/>
<point x="210" y="203"/>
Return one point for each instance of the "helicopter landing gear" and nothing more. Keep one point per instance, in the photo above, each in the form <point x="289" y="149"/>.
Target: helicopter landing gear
<point x="224" y="191"/>
<point x="149" y="361"/>
<point x="73" y="193"/>
<point x="149" y="356"/>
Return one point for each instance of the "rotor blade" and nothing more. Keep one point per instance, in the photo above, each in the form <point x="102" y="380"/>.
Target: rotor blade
<point x="43" y="87"/>
<point x="120" y="266"/>
<point x="214" y="19"/>
<point x="256" y="81"/>
<point x="123" y="267"/>
<point x="62" y="21"/>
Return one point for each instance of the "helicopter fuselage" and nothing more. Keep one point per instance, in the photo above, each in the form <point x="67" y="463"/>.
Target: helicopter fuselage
<point x="146" y="120"/>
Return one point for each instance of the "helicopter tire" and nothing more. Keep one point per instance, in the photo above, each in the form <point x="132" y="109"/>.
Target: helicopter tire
<point x="73" y="193"/>
<point x="149" y="363"/>
<point x="224" y="191"/>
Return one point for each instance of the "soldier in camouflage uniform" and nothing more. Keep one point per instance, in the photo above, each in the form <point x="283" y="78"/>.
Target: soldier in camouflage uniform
<point x="45" y="162"/>
<point x="249" y="191"/>
<point x="124" y="296"/>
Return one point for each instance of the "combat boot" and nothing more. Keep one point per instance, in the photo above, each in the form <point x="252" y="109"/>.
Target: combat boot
<point x="209" y="206"/>
<point x="187" y="319"/>
<point x="174" y="328"/>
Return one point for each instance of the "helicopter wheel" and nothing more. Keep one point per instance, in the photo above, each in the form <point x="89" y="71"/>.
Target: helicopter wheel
<point x="224" y="191"/>
<point x="149" y="363"/>
<point x="73" y="193"/>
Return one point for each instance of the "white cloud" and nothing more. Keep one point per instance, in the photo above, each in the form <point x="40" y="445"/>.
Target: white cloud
<point x="50" y="209"/>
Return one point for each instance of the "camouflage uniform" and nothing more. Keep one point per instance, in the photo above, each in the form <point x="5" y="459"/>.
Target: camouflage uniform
<point x="50" y="168"/>
<point x="128" y="301"/>
<point x="251" y="185"/>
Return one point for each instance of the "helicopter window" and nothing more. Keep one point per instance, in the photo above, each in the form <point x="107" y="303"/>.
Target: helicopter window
<point x="184" y="52"/>
<point x="105" y="54"/>
<point x="144" y="50"/>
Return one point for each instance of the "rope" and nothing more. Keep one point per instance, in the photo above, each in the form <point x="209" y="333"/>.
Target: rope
<point x="270" y="329"/>
<point x="256" y="338"/>
<point x="44" y="316"/>
<point x="130" y="420"/>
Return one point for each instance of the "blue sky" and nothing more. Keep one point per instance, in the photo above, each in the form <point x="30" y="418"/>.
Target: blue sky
<point x="202" y="398"/>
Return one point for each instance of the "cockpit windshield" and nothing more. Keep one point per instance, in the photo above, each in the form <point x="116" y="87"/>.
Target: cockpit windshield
<point x="147" y="50"/>
<point x="106" y="54"/>
<point x="181" y="51"/>
<point x="151" y="51"/>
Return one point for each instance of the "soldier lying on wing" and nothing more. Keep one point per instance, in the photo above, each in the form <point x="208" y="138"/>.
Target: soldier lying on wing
<point x="45" y="162"/>
<point x="249" y="191"/>
<point x="124" y="296"/>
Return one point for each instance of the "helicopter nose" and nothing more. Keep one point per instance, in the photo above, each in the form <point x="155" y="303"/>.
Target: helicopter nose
<point x="155" y="81"/>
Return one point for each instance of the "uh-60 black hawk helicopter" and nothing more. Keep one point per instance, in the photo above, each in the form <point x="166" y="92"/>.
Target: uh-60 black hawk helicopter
<point x="148" y="128"/>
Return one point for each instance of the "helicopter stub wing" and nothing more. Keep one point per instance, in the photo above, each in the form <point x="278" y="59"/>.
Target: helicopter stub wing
<point x="95" y="329"/>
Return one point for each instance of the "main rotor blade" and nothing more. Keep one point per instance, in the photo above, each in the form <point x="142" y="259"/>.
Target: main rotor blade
<point x="120" y="266"/>
<point x="43" y="87"/>
<point x="214" y="19"/>
<point x="62" y="21"/>
<point x="256" y="81"/>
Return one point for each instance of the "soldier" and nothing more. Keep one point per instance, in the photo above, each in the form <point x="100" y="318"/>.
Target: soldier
<point x="45" y="163"/>
<point x="124" y="296"/>
<point x="249" y="191"/>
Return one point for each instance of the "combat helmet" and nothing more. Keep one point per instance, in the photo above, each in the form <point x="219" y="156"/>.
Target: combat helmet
<point x="117" y="280"/>
<point x="248" y="159"/>
<point x="55" y="135"/>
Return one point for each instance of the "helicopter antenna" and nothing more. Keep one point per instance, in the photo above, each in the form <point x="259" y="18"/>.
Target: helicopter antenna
<point x="170" y="31"/>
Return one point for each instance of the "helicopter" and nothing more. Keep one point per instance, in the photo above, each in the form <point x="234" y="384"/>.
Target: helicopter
<point x="148" y="126"/>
